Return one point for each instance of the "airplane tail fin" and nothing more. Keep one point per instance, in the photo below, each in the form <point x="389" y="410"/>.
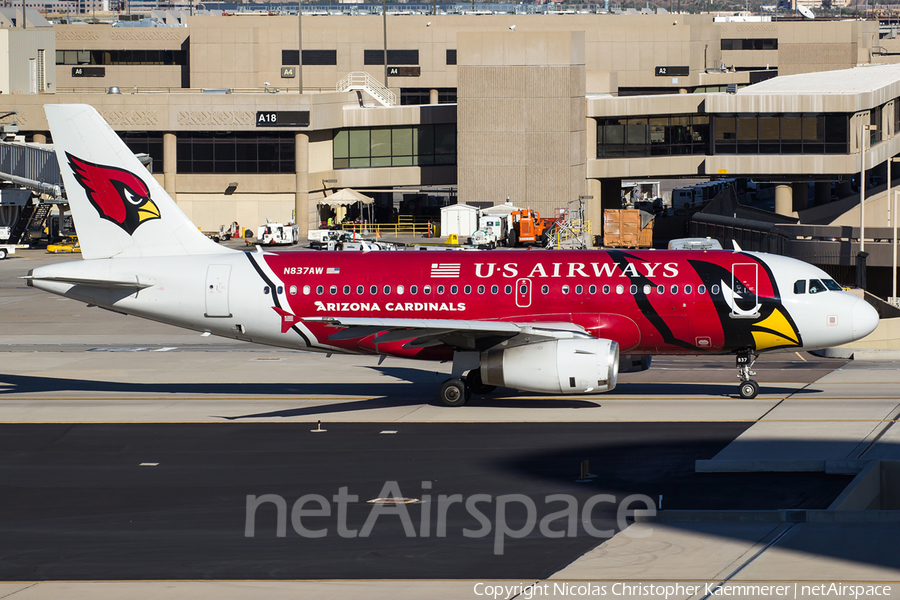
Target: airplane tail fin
<point x="119" y="208"/>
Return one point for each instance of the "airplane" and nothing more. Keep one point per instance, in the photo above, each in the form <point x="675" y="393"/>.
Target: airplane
<point x="554" y="322"/>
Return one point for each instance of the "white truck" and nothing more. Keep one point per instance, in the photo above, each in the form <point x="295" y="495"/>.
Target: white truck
<point x="492" y="231"/>
<point x="278" y="234"/>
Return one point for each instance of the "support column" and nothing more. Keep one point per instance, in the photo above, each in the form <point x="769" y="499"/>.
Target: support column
<point x="784" y="202"/>
<point x="823" y="193"/>
<point x="169" y="164"/>
<point x="799" y="195"/>
<point x="301" y="188"/>
<point x="39" y="138"/>
<point x="610" y="197"/>
<point x="432" y="97"/>
<point x="593" y="211"/>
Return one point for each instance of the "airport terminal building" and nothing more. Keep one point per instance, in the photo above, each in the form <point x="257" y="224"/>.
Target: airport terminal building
<point x="542" y="109"/>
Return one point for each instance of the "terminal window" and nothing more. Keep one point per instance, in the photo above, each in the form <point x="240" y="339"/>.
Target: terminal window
<point x="410" y="96"/>
<point x="235" y="152"/>
<point x="652" y="136"/>
<point x="310" y="57"/>
<point x="395" y="146"/>
<point x="394" y="57"/>
<point x="121" y="57"/>
<point x="750" y="44"/>
<point x="782" y="134"/>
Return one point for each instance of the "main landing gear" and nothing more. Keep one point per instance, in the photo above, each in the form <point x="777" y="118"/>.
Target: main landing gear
<point x="456" y="392"/>
<point x="748" y="388"/>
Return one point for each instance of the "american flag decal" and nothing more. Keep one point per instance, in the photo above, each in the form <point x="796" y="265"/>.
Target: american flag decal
<point x="332" y="270"/>
<point x="445" y="270"/>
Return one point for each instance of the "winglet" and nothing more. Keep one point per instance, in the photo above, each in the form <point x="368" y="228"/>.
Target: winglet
<point x="736" y="247"/>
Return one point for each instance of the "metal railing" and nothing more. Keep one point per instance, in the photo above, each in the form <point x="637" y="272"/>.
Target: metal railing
<point x="126" y="91"/>
<point x="388" y="229"/>
<point x="361" y="80"/>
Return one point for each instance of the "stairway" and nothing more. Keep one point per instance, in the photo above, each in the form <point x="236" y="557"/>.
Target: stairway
<point x="360" y="80"/>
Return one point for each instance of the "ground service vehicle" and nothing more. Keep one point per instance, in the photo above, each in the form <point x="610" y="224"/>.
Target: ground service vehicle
<point x="549" y="322"/>
<point x="528" y="227"/>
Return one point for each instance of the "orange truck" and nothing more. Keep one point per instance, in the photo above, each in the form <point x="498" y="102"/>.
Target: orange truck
<point x="528" y="227"/>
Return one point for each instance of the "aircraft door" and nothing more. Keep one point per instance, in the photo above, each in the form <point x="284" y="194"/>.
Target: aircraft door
<point x="744" y="291"/>
<point x="217" y="281"/>
<point x="523" y="293"/>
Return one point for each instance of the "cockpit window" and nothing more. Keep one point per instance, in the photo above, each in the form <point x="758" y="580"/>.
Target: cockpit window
<point x="800" y="286"/>
<point x="816" y="286"/>
<point x="832" y="285"/>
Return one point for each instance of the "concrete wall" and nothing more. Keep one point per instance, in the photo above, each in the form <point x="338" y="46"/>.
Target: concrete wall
<point x="19" y="47"/>
<point x="520" y="119"/>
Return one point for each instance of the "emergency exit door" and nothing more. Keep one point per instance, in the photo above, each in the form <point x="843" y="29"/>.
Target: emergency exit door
<point x="217" y="282"/>
<point x="523" y="293"/>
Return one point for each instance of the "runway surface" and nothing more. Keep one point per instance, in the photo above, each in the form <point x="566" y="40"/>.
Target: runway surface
<point x="78" y="504"/>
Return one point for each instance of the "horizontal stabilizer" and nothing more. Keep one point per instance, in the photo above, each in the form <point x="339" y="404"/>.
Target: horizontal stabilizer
<point x="98" y="283"/>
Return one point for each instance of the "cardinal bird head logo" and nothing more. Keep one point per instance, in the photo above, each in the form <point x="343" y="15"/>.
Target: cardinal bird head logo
<point x="118" y="195"/>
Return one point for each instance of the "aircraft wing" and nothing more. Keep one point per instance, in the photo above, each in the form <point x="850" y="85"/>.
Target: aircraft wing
<point x="464" y="334"/>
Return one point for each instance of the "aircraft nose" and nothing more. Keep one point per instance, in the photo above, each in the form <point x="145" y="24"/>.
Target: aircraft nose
<point x="865" y="319"/>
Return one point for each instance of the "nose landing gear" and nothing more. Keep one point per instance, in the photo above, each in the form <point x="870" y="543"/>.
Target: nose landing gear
<point x="748" y="388"/>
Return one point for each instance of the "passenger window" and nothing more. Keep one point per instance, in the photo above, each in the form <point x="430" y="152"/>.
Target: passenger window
<point x="266" y="290"/>
<point x="648" y="289"/>
<point x="523" y="290"/>
<point x="605" y="289"/>
<point x="714" y="289"/>
<point x="579" y="289"/>
<point x="687" y="289"/>
<point x="426" y="289"/>
<point x="468" y="289"/>
<point x="633" y="289"/>
<point x="399" y="289"/>
<point x="454" y="289"/>
<point x="332" y="290"/>
<point x="593" y="289"/>
<point x="545" y="289"/>
<point x="293" y="290"/>
<point x="279" y="290"/>
<point x="660" y="289"/>
<point x="387" y="290"/>
<point x="373" y="290"/>
<point x="480" y="289"/>
<point x="674" y="289"/>
<point x="565" y="289"/>
<point x="507" y="289"/>
<point x="346" y="290"/>
<point x="800" y="286"/>
<point x="620" y="288"/>
<point x="360" y="289"/>
<point x="440" y="289"/>
<point x="701" y="289"/>
<point x="816" y="286"/>
<point x="494" y="289"/>
<point x="306" y="289"/>
<point x="319" y="290"/>
<point x="413" y="290"/>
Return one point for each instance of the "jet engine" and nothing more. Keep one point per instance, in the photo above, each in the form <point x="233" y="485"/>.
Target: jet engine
<point x="573" y="366"/>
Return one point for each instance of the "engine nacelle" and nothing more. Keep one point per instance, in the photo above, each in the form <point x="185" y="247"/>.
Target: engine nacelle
<point x="573" y="366"/>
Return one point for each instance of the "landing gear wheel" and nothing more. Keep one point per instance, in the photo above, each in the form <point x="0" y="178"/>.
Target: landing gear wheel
<point x="474" y="383"/>
<point x="749" y="389"/>
<point x="454" y="392"/>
